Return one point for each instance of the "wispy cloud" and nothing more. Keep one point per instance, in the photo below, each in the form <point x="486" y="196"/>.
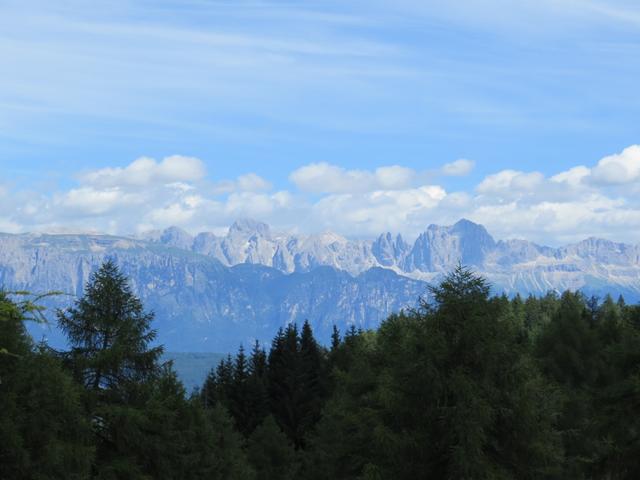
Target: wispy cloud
<point x="331" y="66"/>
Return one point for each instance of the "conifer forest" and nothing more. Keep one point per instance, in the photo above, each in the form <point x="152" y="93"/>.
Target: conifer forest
<point x="468" y="385"/>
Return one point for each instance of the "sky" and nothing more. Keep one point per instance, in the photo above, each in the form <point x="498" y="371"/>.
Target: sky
<point x="357" y="117"/>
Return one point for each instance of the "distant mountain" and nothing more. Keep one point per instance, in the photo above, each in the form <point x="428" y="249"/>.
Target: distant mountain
<point x="210" y="292"/>
<point x="514" y="266"/>
<point x="201" y="304"/>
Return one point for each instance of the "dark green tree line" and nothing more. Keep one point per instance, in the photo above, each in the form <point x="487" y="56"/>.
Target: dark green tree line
<point x="468" y="385"/>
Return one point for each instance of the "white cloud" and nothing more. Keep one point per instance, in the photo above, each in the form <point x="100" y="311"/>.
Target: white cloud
<point x="323" y="178"/>
<point x="146" y="171"/>
<point x="9" y="226"/>
<point x="326" y="178"/>
<point x="394" y="177"/>
<point x="375" y="212"/>
<point x="258" y="205"/>
<point x="510" y="183"/>
<point x="88" y="201"/>
<point x="572" y="204"/>
<point x="249" y="182"/>
<point x="572" y="177"/>
<point x="172" y="214"/>
<point x="558" y="222"/>
<point x="458" y="168"/>
<point x="618" y="169"/>
<point x="252" y="183"/>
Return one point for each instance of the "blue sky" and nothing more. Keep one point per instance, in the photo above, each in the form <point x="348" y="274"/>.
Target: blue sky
<point x="272" y="104"/>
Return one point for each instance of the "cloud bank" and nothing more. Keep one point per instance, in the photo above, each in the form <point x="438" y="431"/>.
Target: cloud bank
<point x="598" y="200"/>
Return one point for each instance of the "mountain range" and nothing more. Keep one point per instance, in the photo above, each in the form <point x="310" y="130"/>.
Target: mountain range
<point x="212" y="292"/>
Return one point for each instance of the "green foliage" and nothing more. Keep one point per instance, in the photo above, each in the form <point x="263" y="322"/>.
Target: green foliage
<point x="617" y="400"/>
<point x="270" y="453"/>
<point x="43" y="430"/>
<point x="461" y="364"/>
<point x="143" y="425"/>
<point x="110" y="334"/>
<point x="296" y="382"/>
<point x="342" y="446"/>
<point x="230" y="462"/>
<point x="465" y="386"/>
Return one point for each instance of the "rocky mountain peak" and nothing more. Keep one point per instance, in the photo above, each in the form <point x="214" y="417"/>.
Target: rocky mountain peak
<point x="247" y="227"/>
<point x="473" y="231"/>
<point x="441" y="248"/>
<point x="324" y="277"/>
<point x="389" y="251"/>
<point x="176" y="237"/>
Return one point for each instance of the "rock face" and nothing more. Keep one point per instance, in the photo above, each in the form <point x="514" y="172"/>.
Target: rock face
<point x="210" y="293"/>
<point x="389" y="251"/>
<point x="201" y="304"/>
<point x="440" y="249"/>
<point x="514" y="266"/>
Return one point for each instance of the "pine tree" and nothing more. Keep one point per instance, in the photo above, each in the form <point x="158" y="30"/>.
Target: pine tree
<point x="112" y="358"/>
<point x="43" y="430"/>
<point x="284" y="383"/>
<point x="314" y="381"/>
<point x="239" y="406"/>
<point x="617" y="402"/>
<point x="335" y="338"/>
<point x="270" y="453"/>
<point x="458" y="396"/>
<point x="209" y="392"/>
<point x="342" y="445"/>
<point x="230" y="461"/>
<point x="569" y="352"/>
<point x="110" y="334"/>
<point x="256" y="391"/>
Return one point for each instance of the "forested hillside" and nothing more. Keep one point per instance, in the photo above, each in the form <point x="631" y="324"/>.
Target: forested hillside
<point x="465" y="386"/>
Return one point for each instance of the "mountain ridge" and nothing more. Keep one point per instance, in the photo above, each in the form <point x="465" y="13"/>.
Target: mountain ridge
<point x="212" y="292"/>
<point x="437" y="250"/>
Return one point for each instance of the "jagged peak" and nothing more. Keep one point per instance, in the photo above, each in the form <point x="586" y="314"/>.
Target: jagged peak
<point x="168" y="235"/>
<point x="250" y="226"/>
<point x="204" y="235"/>
<point x="465" y="222"/>
<point x="467" y="227"/>
<point x="463" y="227"/>
<point x="596" y="240"/>
<point x="387" y="238"/>
<point x="176" y="237"/>
<point x="173" y="230"/>
<point x="384" y="238"/>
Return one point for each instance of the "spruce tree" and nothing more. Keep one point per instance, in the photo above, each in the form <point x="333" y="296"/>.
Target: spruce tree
<point x="110" y="334"/>
<point x="284" y="383"/>
<point x="257" y="393"/>
<point x="44" y="433"/>
<point x="229" y="459"/>
<point x="239" y="405"/>
<point x="335" y="338"/>
<point x="270" y="453"/>
<point x="112" y="357"/>
<point x="314" y="382"/>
